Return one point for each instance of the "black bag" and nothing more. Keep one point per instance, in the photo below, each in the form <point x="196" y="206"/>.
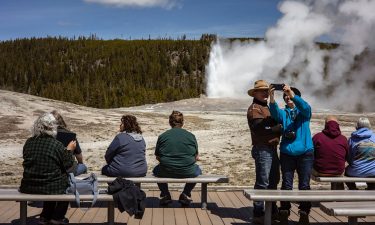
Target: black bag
<point x="128" y="197"/>
<point x="86" y="186"/>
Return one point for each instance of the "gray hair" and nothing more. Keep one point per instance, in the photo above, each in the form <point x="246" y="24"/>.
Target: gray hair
<point x="363" y="122"/>
<point x="45" y="124"/>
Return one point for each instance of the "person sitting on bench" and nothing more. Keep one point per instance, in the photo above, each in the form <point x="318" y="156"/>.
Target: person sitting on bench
<point x="44" y="163"/>
<point x="361" y="153"/>
<point x="177" y="153"/>
<point x="330" y="152"/>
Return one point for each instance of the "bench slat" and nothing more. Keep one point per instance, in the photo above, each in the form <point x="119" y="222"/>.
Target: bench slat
<point x="344" y="179"/>
<point x="348" y="208"/>
<point x="153" y="179"/>
<point x="310" y="195"/>
<point x="14" y="195"/>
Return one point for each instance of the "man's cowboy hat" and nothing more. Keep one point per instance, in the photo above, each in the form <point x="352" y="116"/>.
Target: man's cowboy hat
<point x="258" y="85"/>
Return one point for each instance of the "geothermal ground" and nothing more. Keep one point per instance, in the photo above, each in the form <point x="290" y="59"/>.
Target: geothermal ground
<point x="220" y="126"/>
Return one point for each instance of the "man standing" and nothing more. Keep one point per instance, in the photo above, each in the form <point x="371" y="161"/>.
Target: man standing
<point x="330" y="151"/>
<point x="296" y="147"/>
<point x="177" y="151"/>
<point x="265" y="136"/>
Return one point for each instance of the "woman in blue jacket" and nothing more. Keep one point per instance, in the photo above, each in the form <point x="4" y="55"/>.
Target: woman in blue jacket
<point x="361" y="153"/>
<point x="296" y="147"/>
<point x="126" y="155"/>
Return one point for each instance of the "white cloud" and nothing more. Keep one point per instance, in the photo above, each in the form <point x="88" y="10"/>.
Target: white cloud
<point x="168" y="4"/>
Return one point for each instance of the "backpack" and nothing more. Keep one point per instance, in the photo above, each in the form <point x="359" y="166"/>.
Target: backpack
<point x="86" y="186"/>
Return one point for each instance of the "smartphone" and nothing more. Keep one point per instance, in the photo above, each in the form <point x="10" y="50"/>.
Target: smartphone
<point x="278" y="87"/>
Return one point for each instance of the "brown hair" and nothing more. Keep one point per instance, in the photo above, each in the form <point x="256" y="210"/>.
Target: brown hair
<point x="176" y="119"/>
<point x="130" y="124"/>
<point x="59" y="119"/>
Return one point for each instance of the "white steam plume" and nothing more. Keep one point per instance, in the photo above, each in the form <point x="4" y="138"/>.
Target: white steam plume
<point x="341" y="78"/>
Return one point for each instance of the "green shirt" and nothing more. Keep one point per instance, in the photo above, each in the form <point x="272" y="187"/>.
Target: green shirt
<point x="177" y="149"/>
<point x="44" y="163"/>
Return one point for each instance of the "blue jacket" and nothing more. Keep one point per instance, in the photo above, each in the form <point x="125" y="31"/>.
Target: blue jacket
<point x="297" y="120"/>
<point x="361" y="154"/>
<point x="126" y="156"/>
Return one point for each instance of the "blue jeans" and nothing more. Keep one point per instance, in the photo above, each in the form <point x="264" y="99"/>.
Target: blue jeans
<point x="303" y="164"/>
<point x="267" y="174"/>
<point x="163" y="187"/>
<point x="80" y="169"/>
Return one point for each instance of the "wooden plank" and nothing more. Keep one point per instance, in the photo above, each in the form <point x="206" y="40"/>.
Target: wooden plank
<point x="147" y="216"/>
<point x="191" y="215"/>
<point x="244" y="210"/>
<point x="179" y="212"/>
<point x="102" y="213"/>
<point x="157" y="211"/>
<point x="11" y="212"/>
<point x="202" y="214"/>
<point x="221" y="212"/>
<point x="230" y="208"/>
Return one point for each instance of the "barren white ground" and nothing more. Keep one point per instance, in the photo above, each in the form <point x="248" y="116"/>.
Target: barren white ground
<point x="220" y="126"/>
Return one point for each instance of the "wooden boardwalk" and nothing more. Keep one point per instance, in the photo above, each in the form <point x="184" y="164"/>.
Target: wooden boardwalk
<point x="224" y="207"/>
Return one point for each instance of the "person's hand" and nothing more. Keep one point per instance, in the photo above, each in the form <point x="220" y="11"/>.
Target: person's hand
<point x="72" y="145"/>
<point x="197" y="158"/>
<point x="271" y="94"/>
<point x="288" y="91"/>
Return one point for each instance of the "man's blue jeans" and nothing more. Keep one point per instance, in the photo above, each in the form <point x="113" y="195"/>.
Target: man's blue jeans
<point x="267" y="174"/>
<point x="163" y="187"/>
<point x="303" y="164"/>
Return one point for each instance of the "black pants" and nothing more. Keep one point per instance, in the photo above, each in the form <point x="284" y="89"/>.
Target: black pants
<point x="54" y="210"/>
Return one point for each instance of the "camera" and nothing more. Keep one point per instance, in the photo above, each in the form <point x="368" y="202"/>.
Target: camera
<point x="278" y="87"/>
<point x="290" y="135"/>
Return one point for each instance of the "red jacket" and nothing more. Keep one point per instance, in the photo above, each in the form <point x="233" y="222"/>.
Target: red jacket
<point x="331" y="150"/>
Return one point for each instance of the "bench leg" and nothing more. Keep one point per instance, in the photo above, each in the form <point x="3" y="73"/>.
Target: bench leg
<point x="23" y="212"/>
<point x="268" y="213"/>
<point x="111" y="213"/>
<point x="204" y="196"/>
<point x="352" y="220"/>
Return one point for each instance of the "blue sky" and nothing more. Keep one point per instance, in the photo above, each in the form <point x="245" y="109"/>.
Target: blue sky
<point x="136" y="19"/>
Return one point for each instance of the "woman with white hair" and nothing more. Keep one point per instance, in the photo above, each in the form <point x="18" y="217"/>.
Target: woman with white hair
<point x="361" y="153"/>
<point x="45" y="160"/>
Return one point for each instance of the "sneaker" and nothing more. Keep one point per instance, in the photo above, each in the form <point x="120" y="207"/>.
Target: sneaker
<point x="165" y="200"/>
<point x="258" y="220"/>
<point x="303" y="218"/>
<point x="184" y="200"/>
<point x="60" y="222"/>
<point x="42" y="221"/>
<point x="283" y="217"/>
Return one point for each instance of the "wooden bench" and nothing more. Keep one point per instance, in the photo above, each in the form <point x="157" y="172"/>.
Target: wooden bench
<point x="343" y="179"/>
<point x="14" y="195"/>
<point x="204" y="180"/>
<point x="353" y="210"/>
<point x="270" y="196"/>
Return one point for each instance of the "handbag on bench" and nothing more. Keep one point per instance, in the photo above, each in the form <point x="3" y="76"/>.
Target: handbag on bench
<point x="86" y="186"/>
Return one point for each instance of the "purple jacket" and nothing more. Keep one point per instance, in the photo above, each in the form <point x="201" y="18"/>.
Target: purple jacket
<point x="331" y="150"/>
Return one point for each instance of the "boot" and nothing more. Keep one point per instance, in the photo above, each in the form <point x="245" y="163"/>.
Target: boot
<point x="283" y="217"/>
<point x="303" y="218"/>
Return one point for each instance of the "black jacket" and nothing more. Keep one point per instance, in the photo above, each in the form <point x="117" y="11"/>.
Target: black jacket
<point x="127" y="197"/>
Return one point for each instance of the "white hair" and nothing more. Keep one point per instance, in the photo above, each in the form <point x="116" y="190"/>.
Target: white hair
<point x="363" y="122"/>
<point x="45" y="124"/>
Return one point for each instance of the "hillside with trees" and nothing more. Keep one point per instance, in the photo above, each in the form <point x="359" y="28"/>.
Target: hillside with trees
<point x="105" y="73"/>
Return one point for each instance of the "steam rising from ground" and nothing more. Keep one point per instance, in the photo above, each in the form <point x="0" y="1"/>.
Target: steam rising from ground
<point x="341" y="78"/>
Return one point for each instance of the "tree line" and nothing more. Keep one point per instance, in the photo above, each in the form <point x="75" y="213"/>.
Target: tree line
<point x="105" y="73"/>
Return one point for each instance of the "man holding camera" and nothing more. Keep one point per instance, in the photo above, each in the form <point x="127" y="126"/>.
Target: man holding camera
<point x="265" y="135"/>
<point x="296" y="147"/>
